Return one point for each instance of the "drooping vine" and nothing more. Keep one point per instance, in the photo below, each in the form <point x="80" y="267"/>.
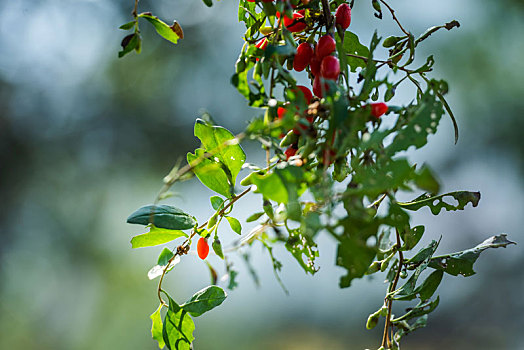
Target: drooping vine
<point x="341" y="146"/>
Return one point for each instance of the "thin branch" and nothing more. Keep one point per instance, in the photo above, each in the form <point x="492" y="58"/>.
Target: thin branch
<point x="135" y="13"/>
<point x="184" y="247"/>
<point x="386" y="342"/>
<point x="170" y="180"/>
<point x="394" y="17"/>
<point x="383" y="62"/>
<point x="376" y="203"/>
<point x="328" y="17"/>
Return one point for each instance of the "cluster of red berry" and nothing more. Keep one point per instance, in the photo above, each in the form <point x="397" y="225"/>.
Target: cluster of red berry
<point x="323" y="65"/>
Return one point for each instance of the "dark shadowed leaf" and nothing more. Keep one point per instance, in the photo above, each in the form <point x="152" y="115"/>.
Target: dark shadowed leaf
<point x="443" y="201"/>
<point x="411" y="237"/>
<point x="422" y="308"/>
<point x="162" y="216"/>
<point x="461" y="263"/>
<point x="418" y="122"/>
<point x="127" y="25"/>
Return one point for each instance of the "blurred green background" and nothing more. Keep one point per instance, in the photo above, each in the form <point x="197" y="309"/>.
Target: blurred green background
<point x="86" y="138"/>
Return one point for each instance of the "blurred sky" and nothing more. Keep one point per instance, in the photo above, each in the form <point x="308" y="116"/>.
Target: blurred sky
<point x="86" y="138"/>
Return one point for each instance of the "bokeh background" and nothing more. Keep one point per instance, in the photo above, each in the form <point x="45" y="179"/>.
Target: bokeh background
<point x="86" y="138"/>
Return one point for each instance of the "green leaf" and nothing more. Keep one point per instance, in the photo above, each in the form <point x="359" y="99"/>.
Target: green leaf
<point x="437" y="203"/>
<point x="178" y="328"/>
<point x="209" y="172"/>
<point x="204" y="300"/>
<point x="426" y="180"/>
<point x="417" y="122"/>
<point x="129" y="43"/>
<point x="254" y="217"/>
<point x="352" y="46"/>
<point x="411" y="237"/>
<point x="127" y="25"/>
<point x="231" y="275"/>
<point x="156" y="329"/>
<point x="277" y="265"/>
<point x="422" y="308"/>
<point x="461" y="263"/>
<point x="235" y="224"/>
<point x="423" y="254"/>
<point x="355" y="256"/>
<point x="283" y="185"/>
<point x="217" y="247"/>
<point x="422" y="259"/>
<point x="387" y="175"/>
<point x="208" y="3"/>
<point x="170" y="33"/>
<point x="165" y="256"/>
<point x="271" y="186"/>
<point x="430" y="285"/>
<point x="216" y="202"/>
<point x="156" y="236"/>
<point x="391" y="41"/>
<point x="163" y="216"/>
<point x="223" y="145"/>
<point x="405" y="328"/>
<point x="303" y="249"/>
<point x="158" y="270"/>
